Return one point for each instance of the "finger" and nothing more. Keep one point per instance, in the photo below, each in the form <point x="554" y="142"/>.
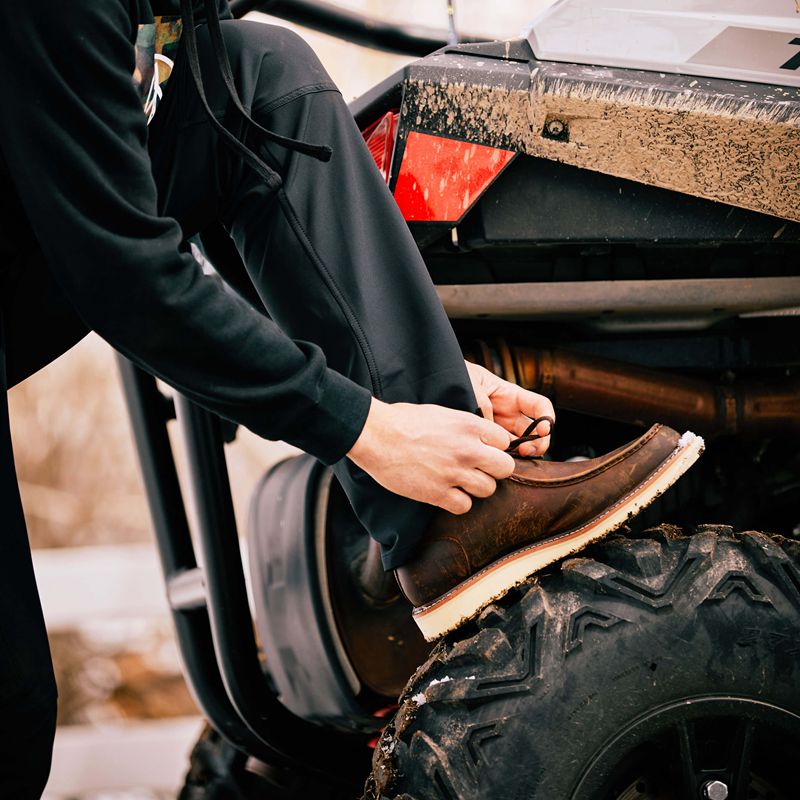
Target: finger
<point x="534" y="405"/>
<point x="494" y="435"/>
<point x="495" y="463"/>
<point x="477" y="378"/>
<point x="478" y="484"/>
<point x="522" y="423"/>
<point x="456" y="502"/>
<point x="485" y="405"/>
<point x="537" y="448"/>
<point x="544" y="428"/>
<point x="542" y="445"/>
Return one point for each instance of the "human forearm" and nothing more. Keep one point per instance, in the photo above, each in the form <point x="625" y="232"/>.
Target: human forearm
<point x="74" y="139"/>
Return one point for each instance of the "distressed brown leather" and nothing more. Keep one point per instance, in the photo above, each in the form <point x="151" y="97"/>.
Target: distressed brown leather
<point x="542" y="500"/>
<point x="383" y="644"/>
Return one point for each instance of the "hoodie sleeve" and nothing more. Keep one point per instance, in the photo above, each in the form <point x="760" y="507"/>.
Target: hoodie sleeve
<point x="73" y="136"/>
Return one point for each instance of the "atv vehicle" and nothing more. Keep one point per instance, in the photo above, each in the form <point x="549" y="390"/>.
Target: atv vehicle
<point x="610" y="209"/>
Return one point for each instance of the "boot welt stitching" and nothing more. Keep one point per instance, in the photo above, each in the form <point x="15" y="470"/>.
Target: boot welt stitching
<point x="456" y="590"/>
<point x="638" y="445"/>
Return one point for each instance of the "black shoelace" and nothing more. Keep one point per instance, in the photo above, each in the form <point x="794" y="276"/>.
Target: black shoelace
<point x="529" y="436"/>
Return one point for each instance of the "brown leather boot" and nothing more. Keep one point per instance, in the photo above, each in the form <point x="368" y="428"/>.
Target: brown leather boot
<point x="546" y="510"/>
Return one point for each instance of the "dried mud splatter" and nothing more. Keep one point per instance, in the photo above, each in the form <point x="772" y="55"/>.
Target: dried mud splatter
<point x="739" y="150"/>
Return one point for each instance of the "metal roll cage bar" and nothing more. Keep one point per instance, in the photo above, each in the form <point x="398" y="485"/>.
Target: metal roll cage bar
<point x="411" y="40"/>
<point x="206" y="588"/>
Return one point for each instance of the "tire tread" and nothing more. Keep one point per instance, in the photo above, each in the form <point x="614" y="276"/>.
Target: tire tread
<point x="459" y="699"/>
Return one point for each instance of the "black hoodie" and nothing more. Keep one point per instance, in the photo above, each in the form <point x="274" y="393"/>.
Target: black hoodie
<point x="74" y="164"/>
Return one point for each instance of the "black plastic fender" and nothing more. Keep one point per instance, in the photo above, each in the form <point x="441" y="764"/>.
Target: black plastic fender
<point x="303" y="652"/>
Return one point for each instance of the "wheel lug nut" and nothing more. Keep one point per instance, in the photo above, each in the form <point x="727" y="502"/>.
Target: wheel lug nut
<point x="715" y="790"/>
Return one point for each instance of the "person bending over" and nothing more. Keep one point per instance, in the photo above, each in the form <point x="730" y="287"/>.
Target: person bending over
<point x="130" y="126"/>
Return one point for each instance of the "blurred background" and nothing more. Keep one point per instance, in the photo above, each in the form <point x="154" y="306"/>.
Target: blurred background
<point x="126" y="720"/>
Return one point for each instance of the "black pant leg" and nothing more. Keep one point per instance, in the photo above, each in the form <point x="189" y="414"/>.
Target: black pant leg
<point x="37" y="324"/>
<point x="27" y="683"/>
<point x="332" y="258"/>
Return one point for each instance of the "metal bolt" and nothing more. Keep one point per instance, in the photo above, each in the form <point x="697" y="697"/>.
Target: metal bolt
<point x="715" y="790"/>
<point x="555" y="127"/>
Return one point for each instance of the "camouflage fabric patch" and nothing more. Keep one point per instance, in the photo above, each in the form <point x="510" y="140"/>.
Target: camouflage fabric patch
<point x="156" y="46"/>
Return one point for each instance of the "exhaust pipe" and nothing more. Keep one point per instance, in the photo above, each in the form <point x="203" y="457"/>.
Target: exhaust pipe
<point x="640" y="396"/>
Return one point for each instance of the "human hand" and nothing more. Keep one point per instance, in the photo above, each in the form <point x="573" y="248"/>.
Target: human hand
<point x="433" y="454"/>
<point x="512" y="407"/>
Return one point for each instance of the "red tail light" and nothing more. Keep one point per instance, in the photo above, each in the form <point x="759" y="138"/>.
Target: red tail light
<point x="380" y="140"/>
<point x="440" y="179"/>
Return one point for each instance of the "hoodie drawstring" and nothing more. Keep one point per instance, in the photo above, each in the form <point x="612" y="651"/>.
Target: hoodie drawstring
<point x="268" y="175"/>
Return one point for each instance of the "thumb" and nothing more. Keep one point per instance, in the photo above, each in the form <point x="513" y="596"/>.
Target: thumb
<point x="485" y="405"/>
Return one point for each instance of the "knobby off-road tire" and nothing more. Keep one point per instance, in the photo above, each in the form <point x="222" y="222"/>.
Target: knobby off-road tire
<point x="641" y="670"/>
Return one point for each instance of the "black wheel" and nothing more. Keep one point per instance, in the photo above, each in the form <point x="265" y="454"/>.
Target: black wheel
<point x="215" y="771"/>
<point x="218" y="771"/>
<point x="662" y="667"/>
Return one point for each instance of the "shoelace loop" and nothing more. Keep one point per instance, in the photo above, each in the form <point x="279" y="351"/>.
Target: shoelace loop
<point x="528" y="436"/>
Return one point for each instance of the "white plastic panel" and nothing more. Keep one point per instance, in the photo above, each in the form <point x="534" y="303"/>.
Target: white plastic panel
<point x="750" y="40"/>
